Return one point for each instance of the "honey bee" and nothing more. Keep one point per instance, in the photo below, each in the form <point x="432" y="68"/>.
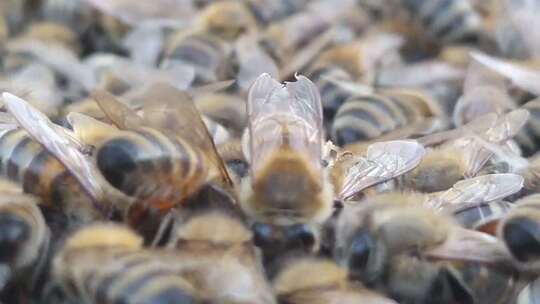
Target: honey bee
<point x="104" y="251"/>
<point x="288" y="194"/>
<point x="363" y="118"/>
<point x="465" y="157"/>
<point x="388" y="236"/>
<point x="112" y="173"/>
<point x="320" y="281"/>
<point x="446" y="21"/>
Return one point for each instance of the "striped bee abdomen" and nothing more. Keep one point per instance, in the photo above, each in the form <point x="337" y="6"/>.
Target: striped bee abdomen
<point x="366" y="117"/>
<point x="124" y="277"/>
<point x="446" y="20"/>
<point x="27" y="163"/>
<point x="149" y="164"/>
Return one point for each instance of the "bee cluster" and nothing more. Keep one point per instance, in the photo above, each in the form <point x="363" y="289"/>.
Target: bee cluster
<point x="261" y="151"/>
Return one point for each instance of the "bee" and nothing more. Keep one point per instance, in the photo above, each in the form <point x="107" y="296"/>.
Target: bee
<point x="102" y="252"/>
<point x="207" y="53"/>
<point x="288" y="194"/>
<point x="518" y="228"/>
<point x="366" y="117"/>
<point x="112" y="172"/>
<point x="387" y="236"/>
<point x="321" y="281"/>
<point x="465" y="157"/>
<point x="446" y="21"/>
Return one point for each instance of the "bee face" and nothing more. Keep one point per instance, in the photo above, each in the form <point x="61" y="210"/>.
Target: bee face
<point x="275" y="240"/>
<point x="15" y="232"/>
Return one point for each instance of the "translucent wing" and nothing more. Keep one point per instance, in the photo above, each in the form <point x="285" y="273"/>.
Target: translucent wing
<point x="60" y="143"/>
<point x="470" y="245"/>
<point x="476" y="190"/>
<point x="384" y="160"/>
<point x="284" y="115"/>
<point x="521" y="76"/>
<point x="120" y="114"/>
<point x="419" y="74"/>
<point x="89" y="130"/>
<point x="167" y="108"/>
<point x="210" y="88"/>
<point x="504" y="128"/>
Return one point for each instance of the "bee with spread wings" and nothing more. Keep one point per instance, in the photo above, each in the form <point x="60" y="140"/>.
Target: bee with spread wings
<point x="289" y="192"/>
<point x="153" y="159"/>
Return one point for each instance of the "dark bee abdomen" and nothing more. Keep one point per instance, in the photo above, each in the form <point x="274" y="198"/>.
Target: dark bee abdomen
<point x="446" y="20"/>
<point x="367" y="117"/>
<point x="143" y="163"/>
<point x="528" y="137"/>
<point x="332" y="95"/>
<point x="205" y="53"/>
<point x="26" y="162"/>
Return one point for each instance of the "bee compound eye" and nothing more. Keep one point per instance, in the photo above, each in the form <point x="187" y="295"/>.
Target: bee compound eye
<point x="13" y="233"/>
<point x="300" y="236"/>
<point x="522" y="237"/>
<point x="360" y="250"/>
<point x="263" y="235"/>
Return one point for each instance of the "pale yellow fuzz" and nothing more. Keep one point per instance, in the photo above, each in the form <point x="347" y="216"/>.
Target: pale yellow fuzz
<point x="104" y="234"/>
<point x="309" y="274"/>
<point x="215" y="228"/>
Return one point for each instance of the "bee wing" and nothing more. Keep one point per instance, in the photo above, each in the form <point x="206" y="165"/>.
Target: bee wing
<point x="504" y="128"/>
<point x="284" y="114"/>
<point x="476" y="190"/>
<point x="88" y="129"/>
<point x="172" y="110"/>
<point x="480" y="123"/>
<point x="60" y="142"/>
<point x="521" y="76"/>
<point x="470" y="245"/>
<point x="384" y="160"/>
<point x="120" y="114"/>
